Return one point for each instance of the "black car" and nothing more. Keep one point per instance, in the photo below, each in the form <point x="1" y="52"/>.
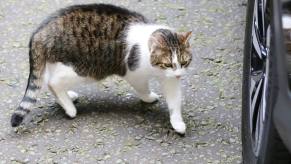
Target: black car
<point x="266" y="96"/>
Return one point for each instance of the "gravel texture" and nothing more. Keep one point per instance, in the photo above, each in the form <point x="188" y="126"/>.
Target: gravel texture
<point x="113" y="125"/>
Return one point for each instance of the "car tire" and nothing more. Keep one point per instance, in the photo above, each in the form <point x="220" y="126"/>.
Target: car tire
<point x="271" y="150"/>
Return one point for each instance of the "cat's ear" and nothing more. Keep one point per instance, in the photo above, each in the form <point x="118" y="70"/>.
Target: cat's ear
<point x="155" y="42"/>
<point x="185" y="37"/>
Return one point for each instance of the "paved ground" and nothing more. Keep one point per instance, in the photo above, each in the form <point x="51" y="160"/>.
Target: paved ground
<point x="113" y="126"/>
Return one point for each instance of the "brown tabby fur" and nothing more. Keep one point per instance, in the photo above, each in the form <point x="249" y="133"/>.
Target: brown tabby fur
<point x="164" y="43"/>
<point x="87" y="37"/>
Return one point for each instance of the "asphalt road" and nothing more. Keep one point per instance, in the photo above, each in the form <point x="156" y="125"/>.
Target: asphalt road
<point x="112" y="125"/>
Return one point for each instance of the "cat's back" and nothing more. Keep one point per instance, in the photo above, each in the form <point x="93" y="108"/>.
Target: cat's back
<point x="102" y="21"/>
<point x="99" y="9"/>
<point x="107" y="14"/>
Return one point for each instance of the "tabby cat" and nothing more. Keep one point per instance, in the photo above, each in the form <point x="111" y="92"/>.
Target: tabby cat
<point x="85" y="43"/>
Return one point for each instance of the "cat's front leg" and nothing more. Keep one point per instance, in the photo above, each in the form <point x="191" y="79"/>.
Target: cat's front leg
<point x="173" y="94"/>
<point x="140" y="84"/>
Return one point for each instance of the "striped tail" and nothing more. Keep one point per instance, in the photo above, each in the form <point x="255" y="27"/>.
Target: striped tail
<point x="33" y="86"/>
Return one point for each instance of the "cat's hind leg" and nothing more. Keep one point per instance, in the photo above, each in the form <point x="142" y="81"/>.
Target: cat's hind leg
<point x="140" y="84"/>
<point x="61" y="78"/>
<point x="64" y="100"/>
<point x="73" y="95"/>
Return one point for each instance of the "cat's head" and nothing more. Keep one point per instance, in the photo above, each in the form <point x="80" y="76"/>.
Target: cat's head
<point x="170" y="52"/>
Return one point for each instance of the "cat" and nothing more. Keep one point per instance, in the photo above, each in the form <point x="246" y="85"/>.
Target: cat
<point x="85" y="43"/>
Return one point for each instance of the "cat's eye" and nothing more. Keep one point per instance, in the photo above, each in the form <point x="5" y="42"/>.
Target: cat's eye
<point x="165" y="65"/>
<point x="168" y="65"/>
<point x="183" y="63"/>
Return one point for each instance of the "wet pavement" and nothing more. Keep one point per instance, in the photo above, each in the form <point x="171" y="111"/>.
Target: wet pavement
<point x="113" y="125"/>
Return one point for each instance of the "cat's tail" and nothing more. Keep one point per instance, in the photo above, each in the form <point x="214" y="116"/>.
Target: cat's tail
<point x="35" y="80"/>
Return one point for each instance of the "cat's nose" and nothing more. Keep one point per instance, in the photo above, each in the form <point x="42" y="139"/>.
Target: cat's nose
<point x="178" y="76"/>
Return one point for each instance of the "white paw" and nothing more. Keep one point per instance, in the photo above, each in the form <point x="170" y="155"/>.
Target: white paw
<point x="152" y="97"/>
<point x="71" y="113"/>
<point x="73" y="95"/>
<point x="179" y="126"/>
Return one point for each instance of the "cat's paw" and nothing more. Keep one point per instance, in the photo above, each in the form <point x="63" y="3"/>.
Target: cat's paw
<point x="73" y="95"/>
<point x="179" y="126"/>
<point x="71" y="113"/>
<point x="152" y="97"/>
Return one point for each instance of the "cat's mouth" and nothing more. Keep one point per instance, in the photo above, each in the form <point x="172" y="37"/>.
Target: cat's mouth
<point x="177" y="74"/>
<point x="174" y="76"/>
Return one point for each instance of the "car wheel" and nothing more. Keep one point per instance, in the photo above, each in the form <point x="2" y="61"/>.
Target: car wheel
<point x="260" y="141"/>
